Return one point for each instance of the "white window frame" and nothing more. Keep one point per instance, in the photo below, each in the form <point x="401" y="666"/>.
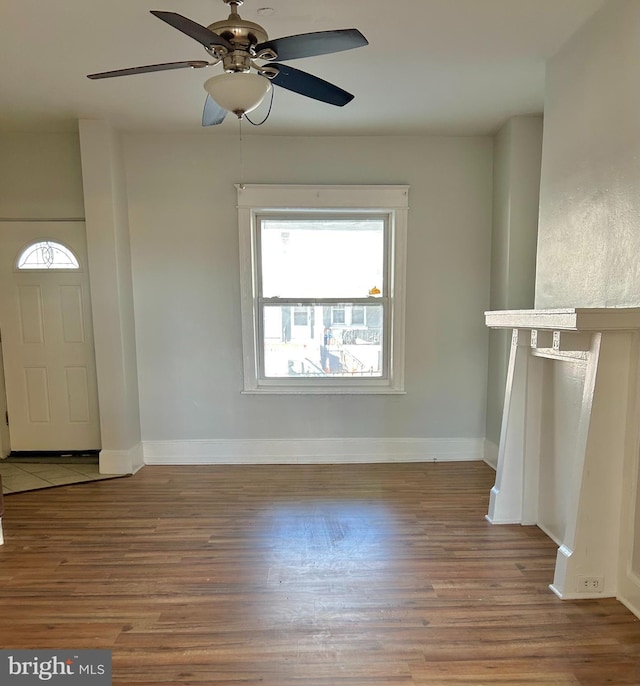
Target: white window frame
<point x="259" y="199"/>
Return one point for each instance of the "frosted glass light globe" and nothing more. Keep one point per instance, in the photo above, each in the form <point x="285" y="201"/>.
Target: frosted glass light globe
<point x="238" y="92"/>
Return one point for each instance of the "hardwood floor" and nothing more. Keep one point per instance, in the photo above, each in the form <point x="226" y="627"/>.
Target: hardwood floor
<point x="356" y="575"/>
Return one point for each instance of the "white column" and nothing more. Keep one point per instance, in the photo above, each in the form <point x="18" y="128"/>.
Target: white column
<point x="505" y="504"/>
<point x="111" y="297"/>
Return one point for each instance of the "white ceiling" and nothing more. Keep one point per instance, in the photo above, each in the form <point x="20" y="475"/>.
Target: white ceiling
<point x="432" y="66"/>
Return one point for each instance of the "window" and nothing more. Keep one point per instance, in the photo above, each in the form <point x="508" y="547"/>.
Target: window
<point x="337" y="314"/>
<point x="357" y="314"/>
<point x="301" y="316"/>
<point x="46" y="255"/>
<point x="323" y="288"/>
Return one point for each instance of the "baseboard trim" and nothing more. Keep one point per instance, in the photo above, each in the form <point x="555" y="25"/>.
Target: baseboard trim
<point x="122" y="461"/>
<point x="553" y="537"/>
<point x="137" y="458"/>
<point x="630" y="592"/>
<point x="491" y="453"/>
<point x="312" y="451"/>
<point x="499" y="522"/>
<point x="634" y="609"/>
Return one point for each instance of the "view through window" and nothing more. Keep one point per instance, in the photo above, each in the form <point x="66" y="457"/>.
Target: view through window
<point x="323" y="295"/>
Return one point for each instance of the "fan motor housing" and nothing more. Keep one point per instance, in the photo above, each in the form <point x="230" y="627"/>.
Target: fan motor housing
<point x="243" y="34"/>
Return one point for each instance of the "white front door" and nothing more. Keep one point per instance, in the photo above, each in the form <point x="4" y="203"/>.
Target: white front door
<point x="47" y="343"/>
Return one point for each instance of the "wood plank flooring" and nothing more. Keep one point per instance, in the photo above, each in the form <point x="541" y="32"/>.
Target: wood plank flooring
<point x="353" y="575"/>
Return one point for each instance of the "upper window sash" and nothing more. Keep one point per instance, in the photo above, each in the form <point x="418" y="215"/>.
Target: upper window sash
<point x="375" y="225"/>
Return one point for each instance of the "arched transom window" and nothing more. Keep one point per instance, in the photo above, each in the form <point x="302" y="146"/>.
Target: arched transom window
<point x="47" y="255"/>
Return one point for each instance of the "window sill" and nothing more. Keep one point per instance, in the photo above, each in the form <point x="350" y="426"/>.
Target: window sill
<point x="274" y="390"/>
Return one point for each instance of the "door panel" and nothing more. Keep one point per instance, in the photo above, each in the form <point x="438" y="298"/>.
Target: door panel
<point x="77" y="394"/>
<point x="47" y="336"/>
<point x="71" y="307"/>
<point x="31" y="319"/>
<point x="36" y="389"/>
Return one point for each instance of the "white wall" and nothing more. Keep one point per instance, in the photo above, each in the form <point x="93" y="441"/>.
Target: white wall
<point x="589" y="242"/>
<point x="516" y="190"/>
<point x="40" y="176"/>
<point x="184" y="242"/>
<point x="516" y="194"/>
<point x="39" y="179"/>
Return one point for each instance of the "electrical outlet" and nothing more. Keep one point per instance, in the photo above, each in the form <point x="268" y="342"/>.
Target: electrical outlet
<point x="590" y="584"/>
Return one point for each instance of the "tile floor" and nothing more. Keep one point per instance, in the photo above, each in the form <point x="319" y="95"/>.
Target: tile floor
<point x="32" y="476"/>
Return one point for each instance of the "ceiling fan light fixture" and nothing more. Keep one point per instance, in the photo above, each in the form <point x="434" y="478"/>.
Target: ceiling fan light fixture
<point x="238" y="92"/>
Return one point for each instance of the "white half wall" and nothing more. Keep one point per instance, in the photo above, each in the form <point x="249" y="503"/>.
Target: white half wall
<point x="588" y="241"/>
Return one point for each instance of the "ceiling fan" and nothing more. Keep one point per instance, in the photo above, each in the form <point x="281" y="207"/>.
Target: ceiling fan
<point x="238" y="43"/>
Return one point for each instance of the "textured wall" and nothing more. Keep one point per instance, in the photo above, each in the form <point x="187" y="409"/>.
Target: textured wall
<point x="589" y="240"/>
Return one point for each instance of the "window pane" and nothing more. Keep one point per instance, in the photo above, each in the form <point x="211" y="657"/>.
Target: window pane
<point x="47" y="255"/>
<point x="321" y="349"/>
<point x="321" y="258"/>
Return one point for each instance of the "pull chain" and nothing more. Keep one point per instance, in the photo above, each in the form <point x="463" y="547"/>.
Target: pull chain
<point x="241" y="151"/>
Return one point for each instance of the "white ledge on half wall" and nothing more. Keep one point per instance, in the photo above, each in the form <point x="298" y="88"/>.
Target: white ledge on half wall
<point x="568" y="453"/>
<point x="567" y="319"/>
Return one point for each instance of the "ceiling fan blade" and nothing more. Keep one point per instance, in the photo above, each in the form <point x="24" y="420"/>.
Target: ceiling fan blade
<point x="194" y="64"/>
<point x="213" y="114"/>
<point x="306" y="84"/>
<point x="311" y="44"/>
<point x="192" y="29"/>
